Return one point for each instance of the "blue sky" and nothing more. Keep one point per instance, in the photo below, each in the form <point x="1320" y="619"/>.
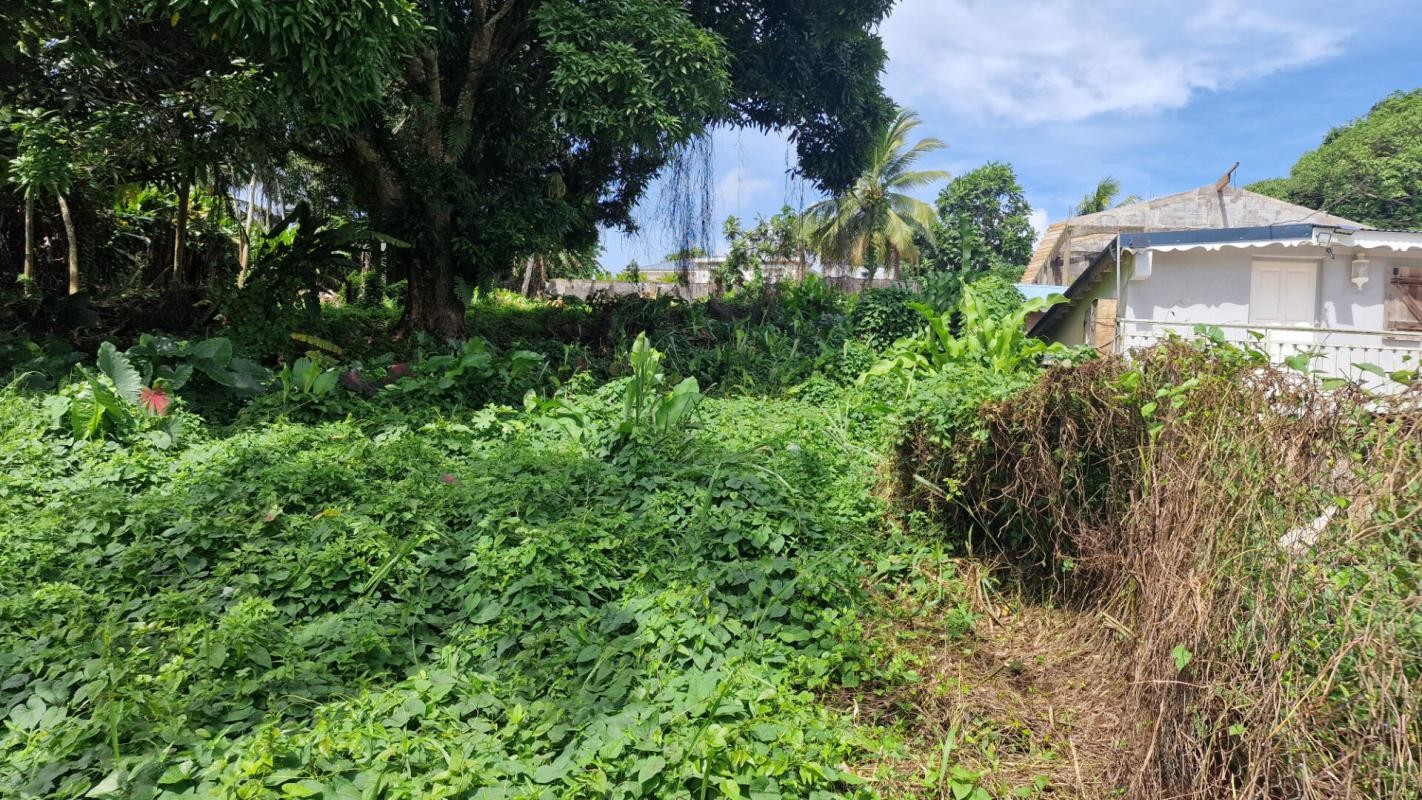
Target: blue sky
<point x="1163" y="96"/>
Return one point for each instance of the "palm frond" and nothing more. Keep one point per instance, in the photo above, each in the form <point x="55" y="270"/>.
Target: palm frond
<point x="861" y="224"/>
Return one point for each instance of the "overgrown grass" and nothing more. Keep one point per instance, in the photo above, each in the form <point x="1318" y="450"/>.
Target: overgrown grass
<point x="1244" y="543"/>
<point x="470" y="570"/>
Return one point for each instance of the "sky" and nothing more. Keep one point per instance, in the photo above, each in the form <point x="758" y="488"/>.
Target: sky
<point x="1162" y="95"/>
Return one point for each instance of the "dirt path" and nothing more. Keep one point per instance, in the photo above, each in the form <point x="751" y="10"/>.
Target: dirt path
<point x="1024" y="697"/>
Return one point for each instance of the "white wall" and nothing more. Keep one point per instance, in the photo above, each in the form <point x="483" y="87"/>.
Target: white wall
<point x="1212" y="288"/>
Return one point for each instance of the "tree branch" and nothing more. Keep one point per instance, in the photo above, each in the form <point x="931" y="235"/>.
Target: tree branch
<point x="481" y="48"/>
<point x="387" y="186"/>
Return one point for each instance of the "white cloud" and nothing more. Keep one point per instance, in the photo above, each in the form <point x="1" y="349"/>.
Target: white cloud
<point x="1039" y="223"/>
<point x="1066" y="60"/>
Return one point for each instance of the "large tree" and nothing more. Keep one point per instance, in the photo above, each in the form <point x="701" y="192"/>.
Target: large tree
<point x="520" y="126"/>
<point x="876" y="223"/>
<point x="480" y="131"/>
<point x="1369" y="170"/>
<point x="984" y="224"/>
<point x="108" y="93"/>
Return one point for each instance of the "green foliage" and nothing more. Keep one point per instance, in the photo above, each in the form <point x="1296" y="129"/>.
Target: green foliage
<point x="876" y="222"/>
<point x="263" y="611"/>
<point x="642" y="409"/>
<point x="632" y="272"/>
<point x="685" y="254"/>
<point x="35" y="364"/>
<point x="306" y="378"/>
<point x="291" y="265"/>
<point x="996" y="296"/>
<point x="984" y="225"/>
<point x="1367" y="171"/>
<point x="1102" y="198"/>
<point x="997" y="342"/>
<point x="173" y="364"/>
<point x="883" y="316"/>
<point x="111" y="402"/>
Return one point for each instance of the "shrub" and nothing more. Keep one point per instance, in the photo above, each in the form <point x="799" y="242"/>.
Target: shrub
<point x="882" y="316"/>
<point x="1249" y="537"/>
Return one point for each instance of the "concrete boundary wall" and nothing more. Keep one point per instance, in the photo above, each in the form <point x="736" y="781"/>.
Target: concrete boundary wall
<point x="583" y="290"/>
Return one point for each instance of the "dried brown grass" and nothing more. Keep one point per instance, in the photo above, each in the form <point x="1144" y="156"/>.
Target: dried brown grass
<point x="1028" y="695"/>
<point x="1302" y="659"/>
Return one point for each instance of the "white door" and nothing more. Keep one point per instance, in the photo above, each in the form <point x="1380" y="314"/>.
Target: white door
<point x="1283" y="294"/>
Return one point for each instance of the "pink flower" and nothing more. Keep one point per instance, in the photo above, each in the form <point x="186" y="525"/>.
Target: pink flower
<point x="154" y="401"/>
<point x="448" y="479"/>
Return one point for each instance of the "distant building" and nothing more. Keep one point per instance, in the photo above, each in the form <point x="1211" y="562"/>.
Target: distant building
<point x="701" y="270"/>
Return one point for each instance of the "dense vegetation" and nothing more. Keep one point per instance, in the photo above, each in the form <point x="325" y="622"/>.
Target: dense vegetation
<point x="657" y="549"/>
<point x="473" y="136"/>
<point x="477" y="571"/>
<point x="1369" y="170"/>
<point x="296" y="502"/>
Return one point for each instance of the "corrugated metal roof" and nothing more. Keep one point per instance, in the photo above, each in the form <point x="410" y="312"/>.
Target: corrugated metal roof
<point x="1035" y="290"/>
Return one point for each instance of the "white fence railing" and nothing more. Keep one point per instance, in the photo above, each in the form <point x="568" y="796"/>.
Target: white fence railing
<point x="1336" y="353"/>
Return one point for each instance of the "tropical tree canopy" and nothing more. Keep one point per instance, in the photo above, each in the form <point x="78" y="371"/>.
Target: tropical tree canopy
<point x="875" y="222"/>
<point x="984" y="224"/>
<point x="1369" y="170"/>
<point x="478" y="132"/>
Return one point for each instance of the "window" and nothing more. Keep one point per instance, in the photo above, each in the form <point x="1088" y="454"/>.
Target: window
<point x="1404" y="299"/>
<point x="1283" y="293"/>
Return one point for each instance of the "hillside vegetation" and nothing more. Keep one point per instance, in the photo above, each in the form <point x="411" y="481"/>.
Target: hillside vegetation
<point x="781" y="545"/>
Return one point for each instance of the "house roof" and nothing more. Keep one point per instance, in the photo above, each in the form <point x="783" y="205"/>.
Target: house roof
<point x="1204" y="208"/>
<point x="1043" y="252"/>
<point x="1292" y="235"/>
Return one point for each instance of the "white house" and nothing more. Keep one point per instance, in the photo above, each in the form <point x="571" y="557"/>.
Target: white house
<point x="1349" y="294"/>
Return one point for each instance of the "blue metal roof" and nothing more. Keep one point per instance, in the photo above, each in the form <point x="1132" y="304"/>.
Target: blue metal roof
<point x="1034" y="290"/>
<point x="1261" y="233"/>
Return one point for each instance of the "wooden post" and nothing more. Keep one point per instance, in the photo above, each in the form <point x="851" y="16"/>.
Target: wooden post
<point x="1226" y="178"/>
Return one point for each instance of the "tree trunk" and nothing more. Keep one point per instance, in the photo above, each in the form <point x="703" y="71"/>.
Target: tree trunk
<point x="431" y="305"/>
<point x="29" y="260"/>
<point x="528" y="275"/>
<point x="244" y="256"/>
<point x="73" y="237"/>
<point x="180" y="232"/>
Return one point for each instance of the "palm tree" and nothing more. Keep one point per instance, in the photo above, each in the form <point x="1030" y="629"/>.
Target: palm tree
<point x="873" y="223"/>
<point x="1103" y="197"/>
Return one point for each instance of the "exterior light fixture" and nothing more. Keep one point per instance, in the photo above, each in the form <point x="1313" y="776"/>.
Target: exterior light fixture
<point x="1360" y="270"/>
<point x="1144" y="260"/>
<point x="1324" y="238"/>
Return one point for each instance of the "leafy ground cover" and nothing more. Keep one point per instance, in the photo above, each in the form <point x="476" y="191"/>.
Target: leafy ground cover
<point x="376" y="580"/>
<point x="486" y="606"/>
<point x="767" y="548"/>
